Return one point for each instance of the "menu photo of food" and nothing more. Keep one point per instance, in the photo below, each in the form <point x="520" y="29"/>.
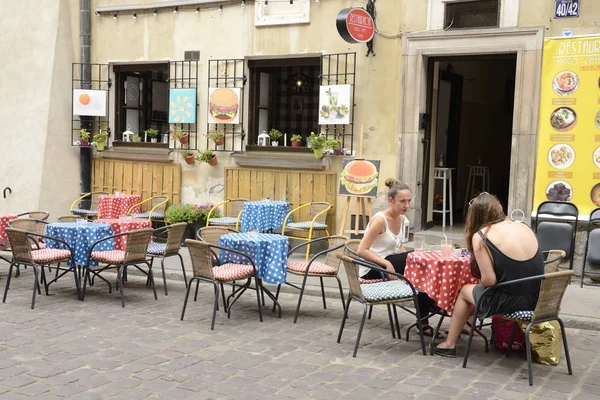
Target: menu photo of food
<point x="595" y="194"/>
<point x="597" y="157"/>
<point x="598" y="120"/>
<point x="565" y="83"/>
<point x="359" y="177"/>
<point x="561" y="156"/>
<point x="559" y="191"/>
<point x="563" y="119"/>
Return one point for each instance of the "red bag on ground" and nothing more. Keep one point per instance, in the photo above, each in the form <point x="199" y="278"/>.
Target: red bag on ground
<point x="502" y="330"/>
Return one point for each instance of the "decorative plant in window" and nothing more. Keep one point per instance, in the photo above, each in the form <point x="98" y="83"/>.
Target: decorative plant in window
<point x="296" y="140"/>
<point x="188" y="156"/>
<point x="84" y="136"/>
<point x="100" y="139"/>
<point x="217" y="135"/>
<point x="320" y="142"/>
<point x="179" y="134"/>
<point x="152" y="133"/>
<point x="207" y="156"/>
<point x="275" y="136"/>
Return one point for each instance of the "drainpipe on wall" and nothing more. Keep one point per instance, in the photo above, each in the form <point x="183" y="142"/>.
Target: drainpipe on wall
<point x="85" y="153"/>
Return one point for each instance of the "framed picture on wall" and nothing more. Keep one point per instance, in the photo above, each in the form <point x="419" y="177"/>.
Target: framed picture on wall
<point x="334" y="105"/>
<point x="297" y="105"/>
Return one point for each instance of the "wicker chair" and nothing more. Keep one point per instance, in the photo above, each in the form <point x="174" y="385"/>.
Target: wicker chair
<point x="158" y="206"/>
<point x="68" y="218"/>
<point x="20" y="243"/>
<point x="592" y="253"/>
<point x="204" y="269"/>
<point x="552" y="289"/>
<point x="92" y="211"/>
<point x="231" y="216"/>
<point x="317" y="223"/>
<point x="327" y="268"/>
<point x="30" y="225"/>
<point x="388" y="293"/>
<point x="41" y="215"/>
<point x="171" y="248"/>
<point x="553" y="259"/>
<point x="135" y="252"/>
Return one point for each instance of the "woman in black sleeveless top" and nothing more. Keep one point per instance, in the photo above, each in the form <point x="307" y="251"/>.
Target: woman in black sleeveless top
<point x="504" y="251"/>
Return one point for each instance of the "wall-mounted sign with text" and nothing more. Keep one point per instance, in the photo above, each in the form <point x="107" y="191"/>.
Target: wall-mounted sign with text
<point x="566" y="8"/>
<point x="355" y="25"/>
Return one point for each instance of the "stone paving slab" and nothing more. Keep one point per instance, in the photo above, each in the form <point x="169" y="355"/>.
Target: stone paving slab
<point x="96" y="349"/>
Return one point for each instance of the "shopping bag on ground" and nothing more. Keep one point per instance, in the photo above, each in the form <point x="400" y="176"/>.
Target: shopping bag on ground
<point x="502" y="330"/>
<point x="546" y="342"/>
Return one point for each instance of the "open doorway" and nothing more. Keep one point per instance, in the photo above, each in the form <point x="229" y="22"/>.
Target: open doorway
<point x="471" y="101"/>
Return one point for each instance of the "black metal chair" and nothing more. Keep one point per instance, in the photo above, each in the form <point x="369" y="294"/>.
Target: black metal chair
<point x="40" y="215"/>
<point x="388" y="293"/>
<point x="552" y="289"/>
<point x="592" y="253"/>
<point x="556" y="227"/>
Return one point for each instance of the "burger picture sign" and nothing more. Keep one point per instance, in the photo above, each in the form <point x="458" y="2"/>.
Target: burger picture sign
<point x="224" y="105"/>
<point x="359" y="177"/>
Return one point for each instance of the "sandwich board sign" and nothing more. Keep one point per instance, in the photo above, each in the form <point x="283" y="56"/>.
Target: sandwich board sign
<point x="566" y="9"/>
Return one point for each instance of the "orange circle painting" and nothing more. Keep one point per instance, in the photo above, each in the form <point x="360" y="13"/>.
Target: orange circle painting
<point x="84" y="99"/>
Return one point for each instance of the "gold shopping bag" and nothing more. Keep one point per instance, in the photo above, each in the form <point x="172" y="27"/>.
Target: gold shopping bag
<point x="546" y="342"/>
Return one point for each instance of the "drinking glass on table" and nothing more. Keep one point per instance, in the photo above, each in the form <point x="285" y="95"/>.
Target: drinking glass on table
<point x="447" y="246"/>
<point x="419" y="243"/>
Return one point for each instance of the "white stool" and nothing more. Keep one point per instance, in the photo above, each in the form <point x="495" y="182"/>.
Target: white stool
<point x="476" y="171"/>
<point x="445" y="174"/>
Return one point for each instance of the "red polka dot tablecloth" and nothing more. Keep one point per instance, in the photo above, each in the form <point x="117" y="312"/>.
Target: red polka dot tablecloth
<point x="113" y="206"/>
<point x="441" y="278"/>
<point x="121" y="225"/>
<point x="4" y="220"/>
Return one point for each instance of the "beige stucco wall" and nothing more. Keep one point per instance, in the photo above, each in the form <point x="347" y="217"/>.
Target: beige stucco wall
<point x="36" y="159"/>
<point x="541" y="13"/>
<point x="231" y="34"/>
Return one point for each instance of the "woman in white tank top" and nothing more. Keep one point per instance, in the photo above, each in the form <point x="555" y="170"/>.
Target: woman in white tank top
<point x="382" y="242"/>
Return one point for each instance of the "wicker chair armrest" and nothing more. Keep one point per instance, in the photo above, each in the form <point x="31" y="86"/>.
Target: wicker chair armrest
<point x="138" y="204"/>
<point x="216" y="206"/>
<point x="79" y="199"/>
<point x="33" y="236"/>
<point x="104" y="240"/>
<point x="290" y="214"/>
<point x="233" y="251"/>
<point x="162" y="231"/>
<point x="310" y="242"/>
<point x="546" y="253"/>
<point x="383" y="271"/>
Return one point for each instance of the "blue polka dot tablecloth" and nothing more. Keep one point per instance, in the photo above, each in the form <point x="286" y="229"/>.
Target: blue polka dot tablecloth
<point x="268" y="251"/>
<point x="81" y="237"/>
<point x="264" y="215"/>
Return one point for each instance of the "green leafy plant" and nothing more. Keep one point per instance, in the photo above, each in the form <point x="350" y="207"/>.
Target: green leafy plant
<point x="152" y="132"/>
<point x="322" y="142"/>
<point x="205" y="155"/>
<point x="275" y="134"/>
<point x="101" y="137"/>
<point x="189" y="213"/>
<point x="297" y="138"/>
<point x="180" y="135"/>
<point x="84" y="135"/>
<point x="215" y="134"/>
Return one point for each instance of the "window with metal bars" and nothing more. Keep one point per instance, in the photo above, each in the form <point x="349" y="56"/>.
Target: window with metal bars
<point x="472" y="14"/>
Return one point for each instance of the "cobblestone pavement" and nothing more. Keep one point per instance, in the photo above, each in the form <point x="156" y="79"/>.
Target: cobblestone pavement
<point x="96" y="349"/>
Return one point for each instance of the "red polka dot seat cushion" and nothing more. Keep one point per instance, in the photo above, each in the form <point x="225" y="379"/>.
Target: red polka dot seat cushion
<point x="109" y="256"/>
<point x="47" y="256"/>
<point x="232" y="271"/>
<point x="316" y="267"/>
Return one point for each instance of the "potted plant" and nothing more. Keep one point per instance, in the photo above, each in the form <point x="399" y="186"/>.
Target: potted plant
<point x="320" y="142"/>
<point x="192" y="214"/>
<point x="275" y="136"/>
<point x="207" y="156"/>
<point x="180" y="135"/>
<point x="84" y="136"/>
<point x="188" y="156"/>
<point x="216" y="135"/>
<point x="100" y="139"/>
<point x="296" y="140"/>
<point x="152" y="133"/>
<point x="137" y="137"/>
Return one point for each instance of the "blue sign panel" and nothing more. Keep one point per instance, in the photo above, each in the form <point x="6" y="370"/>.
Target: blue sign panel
<point x="566" y="8"/>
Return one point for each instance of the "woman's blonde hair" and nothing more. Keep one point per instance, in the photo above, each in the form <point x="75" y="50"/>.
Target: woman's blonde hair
<point x="395" y="186"/>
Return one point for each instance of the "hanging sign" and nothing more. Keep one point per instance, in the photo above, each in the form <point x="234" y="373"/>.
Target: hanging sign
<point x="568" y="160"/>
<point x="566" y="8"/>
<point x="355" y="25"/>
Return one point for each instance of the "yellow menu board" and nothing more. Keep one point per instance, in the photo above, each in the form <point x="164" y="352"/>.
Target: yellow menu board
<point x="568" y="159"/>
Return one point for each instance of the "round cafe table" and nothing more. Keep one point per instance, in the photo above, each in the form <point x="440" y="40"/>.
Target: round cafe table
<point x="114" y="206"/>
<point x="441" y="278"/>
<point x="80" y="236"/>
<point x="263" y="215"/>
<point x="121" y="225"/>
<point x="4" y="220"/>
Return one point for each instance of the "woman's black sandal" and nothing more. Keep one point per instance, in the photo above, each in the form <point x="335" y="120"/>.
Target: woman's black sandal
<point x="444" y="352"/>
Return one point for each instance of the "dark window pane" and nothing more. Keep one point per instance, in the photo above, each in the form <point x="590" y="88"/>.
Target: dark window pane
<point x="472" y="14"/>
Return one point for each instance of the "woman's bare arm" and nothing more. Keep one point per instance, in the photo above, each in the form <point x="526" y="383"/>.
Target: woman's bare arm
<point x="376" y="228"/>
<point x="486" y="265"/>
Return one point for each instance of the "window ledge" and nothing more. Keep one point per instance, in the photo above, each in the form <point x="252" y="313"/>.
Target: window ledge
<point x="280" y="160"/>
<point x="135" y="153"/>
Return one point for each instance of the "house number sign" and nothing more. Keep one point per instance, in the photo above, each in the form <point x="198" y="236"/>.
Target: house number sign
<point x="566" y="8"/>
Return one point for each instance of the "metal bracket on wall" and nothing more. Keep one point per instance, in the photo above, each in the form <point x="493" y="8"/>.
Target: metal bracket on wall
<point x="9" y="191"/>
<point x="371" y="43"/>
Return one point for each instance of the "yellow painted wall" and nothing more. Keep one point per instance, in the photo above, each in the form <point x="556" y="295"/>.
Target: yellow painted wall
<point x="541" y="13"/>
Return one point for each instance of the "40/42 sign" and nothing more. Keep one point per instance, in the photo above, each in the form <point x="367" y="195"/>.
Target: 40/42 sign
<point x="566" y="8"/>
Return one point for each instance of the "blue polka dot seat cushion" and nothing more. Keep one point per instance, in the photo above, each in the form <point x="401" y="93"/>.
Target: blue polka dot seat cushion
<point x="385" y="291"/>
<point x="157" y="249"/>
<point x="306" y="226"/>
<point x="223" y="221"/>
<point x="81" y="211"/>
<point x="520" y="315"/>
<point x="146" y="215"/>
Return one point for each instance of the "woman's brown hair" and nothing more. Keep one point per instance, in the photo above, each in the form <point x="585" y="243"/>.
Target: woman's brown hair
<point x="395" y="186"/>
<point x="484" y="211"/>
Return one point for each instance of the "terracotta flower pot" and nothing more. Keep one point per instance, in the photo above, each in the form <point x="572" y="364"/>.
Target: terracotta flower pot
<point x="296" y="144"/>
<point x="185" y="138"/>
<point x="213" y="162"/>
<point x="219" y="141"/>
<point x="190" y="159"/>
